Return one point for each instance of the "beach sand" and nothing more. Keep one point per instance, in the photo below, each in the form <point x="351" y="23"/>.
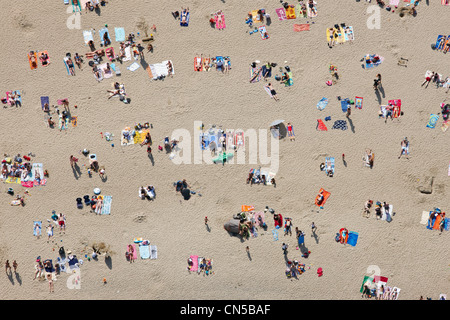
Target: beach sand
<point x="413" y="258"/>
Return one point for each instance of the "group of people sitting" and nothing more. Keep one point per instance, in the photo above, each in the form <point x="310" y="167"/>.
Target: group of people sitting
<point x="433" y="215"/>
<point x="13" y="99"/>
<point x="255" y="177"/>
<point x="92" y="5"/>
<point x="205" y="266"/>
<point x="147" y="193"/>
<point x="378" y="209"/>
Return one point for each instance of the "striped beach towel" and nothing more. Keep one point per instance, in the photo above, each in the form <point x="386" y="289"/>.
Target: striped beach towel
<point x="106" y="208"/>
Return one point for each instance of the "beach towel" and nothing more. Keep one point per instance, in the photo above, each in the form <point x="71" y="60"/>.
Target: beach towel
<point x="368" y="63"/>
<point x="256" y="216"/>
<point x="12" y="180"/>
<point x="263" y="32"/>
<point x="340" y="124"/>
<point x="322" y="103"/>
<point x="144" y="251"/>
<point x="301" y="27"/>
<point x="394" y="2"/>
<point x="321" y="126"/>
<point x="198" y="65"/>
<point x="37" y="230"/>
<point x="437" y="222"/>
<point x="106" y="207"/>
<point x="119" y="34"/>
<point x="27" y="184"/>
<point x="312" y="13"/>
<point x="255" y="16"/>
<point x="368" y="280"/>
<point x="326" y="195"/>
<point x="186" y="23"/>
<point x="358" y="102"/>
<point x="281" y="13"/>
<point x="432" y="121"/>
<point x="425" y="217"/>
<point x="194" y="266"/>
<point x="39" y="167"/>
<point x="290" y="12"/>
<point x="33" y="65"/>
<point x="133" y="67"/>
<point x="348" y="34"/>
<point x="275" y="234"/>
<point x="445" y="2"/>
<point x="268" y="91"/>
<point x="245" y="208"/>
<point x="329" y="162"/>
<point x="340" y="34"/>
<point x="153" y="252"/>
<point x="345" y="104"/>
<point x="220" y="25"/>
<point x="290" y="81"/>
<point x="101" y="33"/>
<point x="387" y="216"/>
<point x="255" y="74"/>
<point x="45" y="100"/>
<point x="87" y="35"/>
<point x="352" y="238"/>
<point x="67" y="66"/>
<point x="76" y="7"/>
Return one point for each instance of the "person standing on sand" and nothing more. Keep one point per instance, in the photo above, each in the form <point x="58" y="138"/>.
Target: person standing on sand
<point x="285" y="248"/>
<point x="7" y="266"/>
<point x="349" y="111"/>
<point x="405" y="148"/>
<point x="50" y="283"/>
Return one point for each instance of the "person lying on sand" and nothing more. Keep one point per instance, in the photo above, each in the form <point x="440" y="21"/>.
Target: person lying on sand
<point x="184" y="13"/>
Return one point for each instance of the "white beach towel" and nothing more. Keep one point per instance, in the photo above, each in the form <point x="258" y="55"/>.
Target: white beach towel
<point x="127" y="54"/>
<point x="134" y="66"/>
<point x="87" y="35"/>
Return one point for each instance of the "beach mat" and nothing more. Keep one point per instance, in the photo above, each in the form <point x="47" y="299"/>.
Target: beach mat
<point x="326" y="195"/>
<point x="194" y="263"/>
<point x="281" y="14"/>
<point x="432" y="121"/>
<point x="301" y="27"/>
<point x="321" y="126"/>
<point x="340" y="124"/>
<point x="106" y="207"/>
<point x="352" y="238"/>
<point x="45" y="100"/>
<point x="144" y="251"/>
<point x="262" y="31"/>
<point x="358" y="102"/>
<point x="119" y="34"/>
<point x="366" y="279"/>
<point x="322" y="103"/>
<point x="87" y="35"/>
<point x="37" y="231"/>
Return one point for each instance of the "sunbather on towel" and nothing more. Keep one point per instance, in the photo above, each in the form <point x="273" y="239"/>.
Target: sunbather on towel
<point x="184" y="13"/>
<point x="320" y="198"/>
<point x="405" y="146"/>
<point x="70" y="66"/>
<point x="169" y="68"/>
<point x="44" y="59"/>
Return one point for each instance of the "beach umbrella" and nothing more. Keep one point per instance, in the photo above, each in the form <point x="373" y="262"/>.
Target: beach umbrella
<point x="276" y="122"/>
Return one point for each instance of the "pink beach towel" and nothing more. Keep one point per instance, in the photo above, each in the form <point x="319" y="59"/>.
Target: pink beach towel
<point x="194" y="263"/>
<point x="221" y="25"/>
<point x="27" y="184"/>
<point x="281" y="14"/>
<point x="301" y="27"/>
<point x="394" y="2"/>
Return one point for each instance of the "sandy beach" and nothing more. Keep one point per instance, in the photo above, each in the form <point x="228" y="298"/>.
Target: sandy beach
<point x="413" y="258"/>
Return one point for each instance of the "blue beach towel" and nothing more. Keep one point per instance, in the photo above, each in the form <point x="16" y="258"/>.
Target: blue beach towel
<point x="329" y="161"/>
<point x="340" y="124"/>
<point x="352" y="238"/>
<point x="275" y="234"/>
<point x="446" y="224"/>
<point x="345" y="103"/>
<point x="101" y="34"/>
<point x="37" y="231"/>
<point x="144" y="251"/>
<point x="45" y="100"/>
<point x="432" y="121"/>
<point x="185" y="24"/>
<point x="120" y="34"/>
<point x="106" y="208"/>
<point x="322" y="103"/>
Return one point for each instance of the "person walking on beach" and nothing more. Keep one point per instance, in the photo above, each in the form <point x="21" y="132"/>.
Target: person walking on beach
<point x="428" y="79"/>
<point x="15" y="265"/>
<point x="349" y="111"/>
<point x="7" y="266"/>
<point x="313" y="227"/>
<point x="73" y="160"/>
<point x="50" y="283"/>
<point x="405" y="148"/>
<point x="285" y="248"/>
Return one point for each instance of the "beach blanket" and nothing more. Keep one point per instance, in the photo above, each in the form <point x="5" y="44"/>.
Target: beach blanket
<point x="394" y="2"/>
<point x="245" y="208"/>
<point x="119" y="34"/>
<point x="12" y="180"/>
<point x="87" y="35"/>
<point x="345" y="104"/>
<point x="301" y="27"/>
<point x="268" y="91"/>
<point x="126" y="138"/>
<point x="220" y="25"/>
<point x="144" y="251"/>
<point x="387" y="216"/>
<point x="76" y="7"/>
<point x="186" y="23"/>
<point x="194" y="266"/>
<point x="425" y="216"/>
<point x="27" y="184"/>
<point x="290" y="12"/>
<point x="348" y="34"/>
<point x="367" y="280"/>
<point x="329" y="162"/>
<point x="275" y="234"/>
<point x="255" y="16"/>
<point x="358" y="102"/>
<point x="368" y="63"/>
<point x="312" y="13"/>
<point x="101" y="33"/>
<point x="321" y="126"/>
<point x="134" y="66"/>
<point x="160" y="69"/>
<point x="300" y="12"/>
<point x="106" y="207"/>
<point x="39" y="167"/>
<point x="432" y="121"/>
<point x="127" y="54"/>
<point x="263" y="32"/>
<point x="45" y="100"/>
<point x="352" y="238"/>
<point x="340" y="35"/>
<point x="340" y="124"/>
<point x="281" y="14"/>
<point x="140" y="136"/>
<point x="445" y="2"/>
<point x="106" y="74"/>
<point x="256" y="216"/>
<point x="326" y="195"/>
<point x="255" y="74"/>
<point x="37" y="228"/>
<point x="153" y="252"/>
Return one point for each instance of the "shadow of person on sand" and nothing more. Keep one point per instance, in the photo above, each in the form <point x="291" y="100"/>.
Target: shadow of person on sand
<point x="350" y="122"/>
<point x="382" y="90"/>
<point x="10" y="277"/>
<point x="76" y="171"/>
<point x="18" y="278"/>
<point x="377" y="93"/>
<point x="108" y="262"/>
<point x="150" y="156"/>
